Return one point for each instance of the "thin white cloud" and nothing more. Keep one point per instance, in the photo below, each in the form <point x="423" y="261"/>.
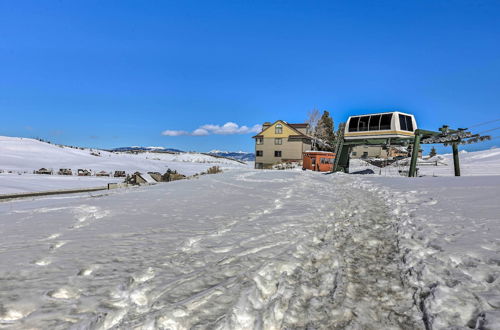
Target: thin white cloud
<point x="174" y="133"/>
<point x="200" y="132"/>
<point x="228" y="128"/>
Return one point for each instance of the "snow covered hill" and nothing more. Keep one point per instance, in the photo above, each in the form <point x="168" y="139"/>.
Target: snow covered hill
<point x="23" y="155"/>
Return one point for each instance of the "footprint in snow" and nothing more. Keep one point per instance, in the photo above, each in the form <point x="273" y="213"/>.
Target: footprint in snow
<point x="87" y="271"/>
<point x="144" y="276"/>
<point x="57" y="245"/>
<point x="43" y="262"/>
<point x="64" y="293"/>
<point x="9" y="315"/>
<point x="51" y="237"/>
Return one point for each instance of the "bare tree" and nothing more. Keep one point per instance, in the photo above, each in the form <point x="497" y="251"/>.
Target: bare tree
<point x="313" y="117"/>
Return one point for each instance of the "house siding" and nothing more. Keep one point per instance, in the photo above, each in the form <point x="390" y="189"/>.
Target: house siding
<point x="291" y="148"/>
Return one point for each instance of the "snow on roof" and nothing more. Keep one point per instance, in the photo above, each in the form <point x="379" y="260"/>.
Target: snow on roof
<point x="147" y="177"/>
<point x="320" y="152"/>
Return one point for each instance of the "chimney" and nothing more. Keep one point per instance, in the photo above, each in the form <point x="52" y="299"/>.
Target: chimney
<point x="266" y="125"/>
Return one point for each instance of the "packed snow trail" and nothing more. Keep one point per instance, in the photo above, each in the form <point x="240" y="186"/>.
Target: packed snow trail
<point x="245" y="249"/>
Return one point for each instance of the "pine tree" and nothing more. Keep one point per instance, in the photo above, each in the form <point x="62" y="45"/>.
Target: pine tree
<point x="325" y="132"/>
<point x="433" y="152"/>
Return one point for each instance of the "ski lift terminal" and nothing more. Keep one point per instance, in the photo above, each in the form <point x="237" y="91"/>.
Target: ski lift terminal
<point x="397" y="129"/>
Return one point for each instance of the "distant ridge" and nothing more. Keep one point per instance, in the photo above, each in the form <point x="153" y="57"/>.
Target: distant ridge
<point x="240" y="155"/>
<point x="137" y="148"/>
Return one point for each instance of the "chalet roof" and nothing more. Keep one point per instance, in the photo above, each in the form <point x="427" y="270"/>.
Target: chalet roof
<point x="300" y="136"/>
<point x="319" y="152"/>
<point x="302" y="125"/>
<point x="292" y="126"/>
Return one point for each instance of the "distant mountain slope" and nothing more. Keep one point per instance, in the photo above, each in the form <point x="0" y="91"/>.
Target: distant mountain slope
<point x="124" y="149"/>
<point x="240" y="155"/>
<point x="26" y="155"/>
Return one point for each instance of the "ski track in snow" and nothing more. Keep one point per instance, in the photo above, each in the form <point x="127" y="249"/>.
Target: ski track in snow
<point x="242" y="250"/>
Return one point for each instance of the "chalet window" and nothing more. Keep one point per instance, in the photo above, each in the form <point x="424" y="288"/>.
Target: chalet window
<point x="259" y="153"/>
<point x="385" y="121"/>
<point x="277" y="153"/>
<point x="259" y="141"/>
<point x="354" y="153"/>
<point x="259" y="165"/>
<point x="278" y="129"/>
<point x="278" y="141"/>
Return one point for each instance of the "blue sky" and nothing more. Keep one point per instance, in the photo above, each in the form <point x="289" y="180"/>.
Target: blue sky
<point x="119" y="73"/>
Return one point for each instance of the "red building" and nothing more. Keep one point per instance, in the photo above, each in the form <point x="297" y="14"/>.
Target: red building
<point x="321" y="161"/>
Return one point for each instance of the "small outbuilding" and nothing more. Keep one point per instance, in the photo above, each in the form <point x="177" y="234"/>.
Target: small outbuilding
<point x="156" y="176"/>
<point x="65" y="171"/>
<point x="44" y="170"/>
<point x="321" y="161"/>
<point x="84" y="172"/>
<point x="142" y="178"/>
<point x="102" y="173"/>
<point x="120" y="174"/>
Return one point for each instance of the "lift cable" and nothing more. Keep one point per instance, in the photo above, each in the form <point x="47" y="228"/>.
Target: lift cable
<point x="484" y="123"/>
<point x="495" y="137"/>
<point x="489" y="130"/>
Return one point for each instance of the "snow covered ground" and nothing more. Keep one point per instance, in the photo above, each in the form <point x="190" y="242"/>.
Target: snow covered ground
<point x="450" y="237"/>
<point x="251" y="249"/>
<point x="485" y="162"/>
<point x="15" y="183"/>
<point x="22" y="155"/>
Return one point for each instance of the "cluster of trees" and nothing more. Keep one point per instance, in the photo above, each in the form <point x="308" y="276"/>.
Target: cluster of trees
<point x="322" y="129"/>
